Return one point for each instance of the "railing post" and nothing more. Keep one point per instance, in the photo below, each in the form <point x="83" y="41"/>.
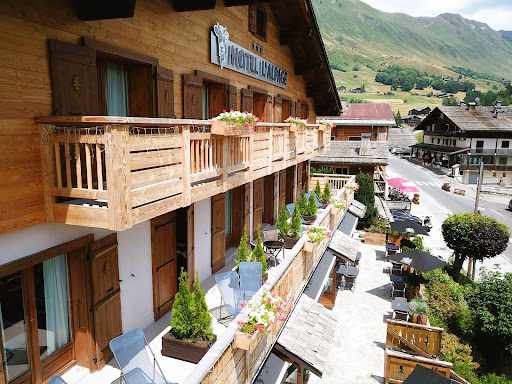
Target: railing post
<point x="117" y="154"/>
<point x="225" y="162"/>
<point x="186" y="170"/>
<point x="271" y="149"/>
<point x="47" y="166"/>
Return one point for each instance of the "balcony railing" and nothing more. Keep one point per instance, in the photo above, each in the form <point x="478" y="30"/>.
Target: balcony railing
<point x="336" y="182"/>
<point x="115" y="172"/>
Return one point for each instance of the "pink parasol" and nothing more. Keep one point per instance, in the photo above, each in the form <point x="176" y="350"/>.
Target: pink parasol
<point x="397" y="182"/>
<point x="409" y="189"/>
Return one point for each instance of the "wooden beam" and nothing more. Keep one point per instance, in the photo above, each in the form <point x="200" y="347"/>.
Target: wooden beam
<point x="302" y="69"/>
<point x="101" y="10"/>
<point x="193" y="5"/>
<point x="298" y="360"/>
<point x="288" y="38"/>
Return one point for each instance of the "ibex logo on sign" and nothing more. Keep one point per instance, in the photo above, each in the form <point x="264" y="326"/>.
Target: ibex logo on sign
<point x="222" y="42"/>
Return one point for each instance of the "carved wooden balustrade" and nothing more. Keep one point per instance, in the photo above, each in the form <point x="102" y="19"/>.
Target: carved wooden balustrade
<point x="115" y="172"/>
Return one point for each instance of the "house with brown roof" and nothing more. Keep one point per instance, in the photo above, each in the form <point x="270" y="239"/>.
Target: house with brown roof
<point x="463" y="137"/>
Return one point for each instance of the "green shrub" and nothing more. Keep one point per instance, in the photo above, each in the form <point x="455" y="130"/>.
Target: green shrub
<point x="258" y="254"/>
<point x="202" y="325"/>
<point x="492" y="378"/>
<point x="282" y="225"/>
<point x="182" y="320"/>
<point x="326" y="195"/>
<point x="243" y="253"/>
<point x="302" y="205"/>
<point x="366" y="195"/>
<point x="311" y="208"/>
<point x="459" y="354"/>
<point x="295" y="224"/>
<point x="318" y="190"/>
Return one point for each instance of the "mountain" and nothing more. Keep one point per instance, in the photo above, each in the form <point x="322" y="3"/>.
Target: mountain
<point x="507" y="35"/>
<point x="354" y="32"/>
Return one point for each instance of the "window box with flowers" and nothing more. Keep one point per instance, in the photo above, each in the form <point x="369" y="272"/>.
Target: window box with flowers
<point x="265" y="319"/>
<point x="234" y="123"/>
<point x="296" y="123"/>
<point x="338" y="206"/>
<point x="325" y="123"/>
<point x="316" y="235"/>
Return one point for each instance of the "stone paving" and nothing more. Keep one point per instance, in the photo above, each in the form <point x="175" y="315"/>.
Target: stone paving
<point x="357" y="355"/>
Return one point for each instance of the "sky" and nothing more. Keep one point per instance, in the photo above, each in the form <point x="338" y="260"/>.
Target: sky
<point x="496" y="13"/>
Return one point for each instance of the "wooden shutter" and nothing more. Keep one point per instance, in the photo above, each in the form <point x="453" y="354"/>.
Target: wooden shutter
<point x="305" y="110"/>
<point x="269" y="113"/>
<point x="192" y="97"/>
<point x="218" y="231"/>
<point x="74" y="79"/>
<point x="232" y="99"/>
<point x="190" y="244"/>
<point x="290" y="184"/>
<point x="297" y="109"/>
<point x="165" y="92"/>
<point x="247" y="99"/>
<point x="277" y="207"/>
<point x="278" y="110"/>
<point x="268" y="197"/>
<point x="282" y="187"/>
<point x="299" y="180"/>
<point x="247" y="208"/>
<point x="257" y="204"/>
<point x="264" y="24"/>
<point x="252" y="18"/>
<point x="164" y="263"/>
<point x="106" y="294"/>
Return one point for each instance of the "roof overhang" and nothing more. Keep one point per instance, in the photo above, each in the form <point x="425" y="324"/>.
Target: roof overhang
<point x="363" y="122"/>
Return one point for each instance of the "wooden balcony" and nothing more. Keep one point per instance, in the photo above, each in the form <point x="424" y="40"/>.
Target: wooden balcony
<point x="115" y="172"/>
<point x="487" y="167"/>
<point x="336" y="182"/>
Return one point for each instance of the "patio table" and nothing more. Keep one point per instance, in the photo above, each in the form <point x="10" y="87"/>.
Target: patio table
<point x="348" y="271"/>
<point x="398" y="279"/>
<point x="273" y="247"/>
<point x="400" y="306"/>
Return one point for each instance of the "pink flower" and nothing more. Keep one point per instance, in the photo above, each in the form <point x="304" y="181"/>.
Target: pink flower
<point x="232" y="110"/>
<point x="259" y="327"/>
<point x="251" y="333"/>
<point x="243" y="305"/>
<point x="224" y="111"/>
<point x="263" y="282"/>
<point x="240" y="322"/>
<point x="282" y="318"/>
<point x="263" y="119"/>
<point x="334" y="125"/>
<point x="269" y="331"/>
<point x="328" y="235"/>
<point x="234" y="117"/>
<point x="279" y="308"/>
<point x="246" y="124"/>
<point x="268" y="300"/>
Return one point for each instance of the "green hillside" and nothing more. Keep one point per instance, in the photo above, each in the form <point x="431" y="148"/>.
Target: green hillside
<point x="355" y="32"/>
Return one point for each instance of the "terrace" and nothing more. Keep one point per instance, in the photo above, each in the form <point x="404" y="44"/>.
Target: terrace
<point x="115" y="172"/>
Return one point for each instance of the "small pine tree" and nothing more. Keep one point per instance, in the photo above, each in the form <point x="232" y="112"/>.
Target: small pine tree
<point x="303" y="203"/>
<point x="318" y="190"/>
<point x="182" y="315"/>
<point x="243" y="253"/>
<point x="259" y="254"/>
<point x="366" y="195"/>
<point x="202" y="323"/>
<point x="326" y="196"/>
<point x="282" y="225"/>
<point x="312" y="205"/>
<point x="295" y="225"/>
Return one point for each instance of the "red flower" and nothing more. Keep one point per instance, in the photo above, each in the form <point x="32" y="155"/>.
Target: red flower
<point x="268" y="301"/>
<point x="263" y="282"/>
<point x="262" y="119"/>
<point x="334" y="125"/>
<point x="240" y="322"/>
<point x="282" y="318"/>
<point x="259" y="327"/>
<point x="243" y="305"/>
<point x="328" y="235"/>
<point x="279" y="308"/>
<point x="269" y="331"/>
<point x="251" y="333"/>
<point x="224" y="111"/>
<point x="232" y="110"/>
<point x="246" y="124"/>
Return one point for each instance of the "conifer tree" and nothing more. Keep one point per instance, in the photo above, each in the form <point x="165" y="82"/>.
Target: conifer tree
<point x="366" y="195"/>
<point x="243" y="253"/>
<point x="259" y="254"/>
<point x="312" y="209"/>
<point x="202" y="326"/>
<point x="326" y="196"/>
<point x="295" y="224"/>
<point x="318" y="190"/>
<point x="303" y="203"/>
<point x="282" y="225"/>
<point x="182" y="315"/>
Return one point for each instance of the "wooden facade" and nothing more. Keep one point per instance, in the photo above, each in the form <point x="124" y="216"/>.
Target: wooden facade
<point x="349" y="132"/>
<point x="159" y="43"/>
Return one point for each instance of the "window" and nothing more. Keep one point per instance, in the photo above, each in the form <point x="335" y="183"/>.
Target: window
<point x="502" y="160"/>
<point x="354" y="138"/>
<point x="432" y="140"/>
<point x="116" y="89"/>
<point x="438" y="140"/>
<point x="258" y="21"/>
<point x="505" y="144"/>
<point x="480" y="144"/>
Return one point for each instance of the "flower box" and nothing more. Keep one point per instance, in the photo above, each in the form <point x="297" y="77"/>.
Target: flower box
<point x="335" y="211"/>
<point x="185" y="350"/>
<point x="321" y="127"/>
<point x="296" y="127"/>
<point x="308" y="219"/>
<point x="224" y="128"/>
<point x="245" y="341"/>
<point x="309" y="247"/>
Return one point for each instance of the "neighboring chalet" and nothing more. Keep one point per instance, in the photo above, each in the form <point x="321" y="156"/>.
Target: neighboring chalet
<point x="356" y="90"/>
<point x="420" y="111"/>
<point x="114" y="177"/>
<point x="411" y="120"/>
<point x="359" y="140"/>
<point x="341" y="88"/>
<point x="464" y="136"/>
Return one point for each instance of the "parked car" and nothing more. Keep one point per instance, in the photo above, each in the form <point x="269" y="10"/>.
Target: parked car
<point x="510" y="205"/>
<point x="401" y="151"/>
<point x="401" y="215"/>
<point x="390" y="148"/>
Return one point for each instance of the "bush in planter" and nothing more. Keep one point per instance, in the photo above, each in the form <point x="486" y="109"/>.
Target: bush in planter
<point x="295" y="224"/>
<point x="282" y="225"/>
<point x="311" y="208"/>
<point x="326" y="195"/>
<point x="243" y="253"/>
<point x="318" y="190"/>
<point x="259" y="254"/>
<point x="418" y="306"/>
<point x="302" y="205"/>
<point x="202" y="323"/>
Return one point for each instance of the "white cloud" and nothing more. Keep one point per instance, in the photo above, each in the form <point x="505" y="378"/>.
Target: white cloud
<point x="497" y="14"/>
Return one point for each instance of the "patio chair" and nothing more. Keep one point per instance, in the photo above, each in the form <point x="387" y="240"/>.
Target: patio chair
<point x="250" y="277"/>
<point x="134" y="361"/>
<point x="272" y="235"/>
<point x="404" y="299"/>
<point x="231" y="293"/>
<point x="401" y="316"/>
<point x="398" y="290"/>
<point x="290" y="208"/>
<point x="396" y="269"/>
<point x="57" y="380"/>
<point x="319" y="204"/>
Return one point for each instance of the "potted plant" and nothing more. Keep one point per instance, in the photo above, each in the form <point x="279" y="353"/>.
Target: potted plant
<point x="315" y="236"/>
<point x="258" y="254"/>
<point x="294" y="230"/>
<point x="233" y="123"/>
<point x="416" y="198"/>
<point x="309" y="212"/>
<point x="243" y="253"/>
<point x="337" y="206"/>
<point x="419" y="309"/>
<point x="296" y="122"/>
<point x="190" y="336"/>
<point x="326" y="195"/>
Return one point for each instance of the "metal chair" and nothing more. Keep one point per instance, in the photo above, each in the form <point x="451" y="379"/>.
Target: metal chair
<point x="404" y="316"/>
<point x="57" y="380"/>
<point x="250" y="277"/>
<point x="134" y="361"/>
<point x="272" y="235"/>
<point x="404" y="299"/>
<point x="230" y="293"/>
<point x="398" y="290"/>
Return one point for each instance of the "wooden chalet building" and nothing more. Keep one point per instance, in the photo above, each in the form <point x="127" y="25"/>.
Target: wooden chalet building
<point x="464" y="136"/>
<point x="113" y="176"/>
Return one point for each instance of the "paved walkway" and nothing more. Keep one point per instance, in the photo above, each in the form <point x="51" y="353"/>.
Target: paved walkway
<point x="357" y="355"/>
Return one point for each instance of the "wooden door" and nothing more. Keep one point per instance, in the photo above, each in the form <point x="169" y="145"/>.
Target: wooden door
<point x="165" y="92"/>
<point x="164" y="263"/>
<point x="299" y="180"/>
<point x="282" y="188"/>
<point x="269" y="202"/>
<point x="290" y="184"/>
<point x="247" y="100"/>
<point x="106" y="297"/>
<point x="192" y="97"/>
<point x="278" y="110"/>
<point x="190" y="245"/>
<point x="218" y="231"/>
<point x="257" y="206"/>
<point x="247" y="208"/>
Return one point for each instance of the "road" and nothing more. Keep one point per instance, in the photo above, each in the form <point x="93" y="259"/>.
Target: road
<point x="439" y="203"/>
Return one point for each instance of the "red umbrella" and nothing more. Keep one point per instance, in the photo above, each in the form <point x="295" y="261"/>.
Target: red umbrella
<point x="406" y="188"/>
<point x="397" y="182"/>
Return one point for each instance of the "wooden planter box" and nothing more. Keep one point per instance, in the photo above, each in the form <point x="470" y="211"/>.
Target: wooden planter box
<point x="375" y="238"/>
<point x="309" y="219"/>
<point x="296" y="127"/>
<point x="289" y="242"/>
<point x="245" y="341"/>
<point x="321" y="127"/>
<point x="184" y="350"/>
<point x="310" y="247"/>
<point x="224" y="128"/>
<point x="419" y="318"/>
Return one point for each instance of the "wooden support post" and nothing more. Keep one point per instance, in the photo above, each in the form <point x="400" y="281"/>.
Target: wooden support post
<point x="270" y="150"/>
<point x="225" y="162"/>
<point x="47" y="167"/>
<point x="251" y="155"/>
<point x="117" y="152"/>
<point x="186" y="165"/>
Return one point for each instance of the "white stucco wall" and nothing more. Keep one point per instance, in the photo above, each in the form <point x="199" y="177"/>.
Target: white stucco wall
<point x="203" y="237"/>
<point x="134" y="257"/>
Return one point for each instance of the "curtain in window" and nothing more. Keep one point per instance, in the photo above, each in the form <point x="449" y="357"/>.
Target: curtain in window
<point x="56" y="303"/>
<point x="116" y="89"/>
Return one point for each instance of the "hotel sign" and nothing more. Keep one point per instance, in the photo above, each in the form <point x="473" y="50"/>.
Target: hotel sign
<point x="232" y="56"/>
